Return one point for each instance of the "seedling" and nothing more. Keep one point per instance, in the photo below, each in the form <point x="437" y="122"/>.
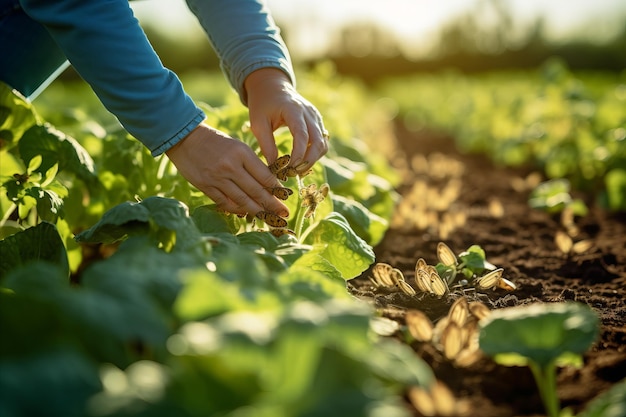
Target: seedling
<point x="554" y="196"/>
<point x="542" y="337"/>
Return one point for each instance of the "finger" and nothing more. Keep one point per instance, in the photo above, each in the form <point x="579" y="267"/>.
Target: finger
<point x="256" y="182"/>
<point x="318" y="144"/>
<point x="264" y="133"/>
<point x="298" y="127"/>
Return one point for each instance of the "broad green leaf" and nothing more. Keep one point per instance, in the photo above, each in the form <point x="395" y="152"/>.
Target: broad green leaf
<point x="209" y="220"/>
<point x="366" y="224"/>
<point x="166" y="218"/>
<point x="303" y="283"/>
<point x="38" y="243"/>
<point x="60" y="379"/>
<point x="122" y="220"/>
<point x="55" y="147"/>
<point x="206" y="294"/>
<point x="398" y="363"/>
<point x="540" y="332"/>
<point x="350" y="254"/>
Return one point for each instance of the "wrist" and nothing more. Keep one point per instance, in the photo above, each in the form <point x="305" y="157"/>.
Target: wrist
<point x="266" y="78"/>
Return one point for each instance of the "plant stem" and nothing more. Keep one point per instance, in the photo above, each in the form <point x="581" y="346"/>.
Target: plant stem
<point x="545" y="377"/>
<point x="299" y="213"/>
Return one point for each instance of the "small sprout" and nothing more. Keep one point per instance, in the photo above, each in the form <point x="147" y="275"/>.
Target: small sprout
<point x="419" y="325"/>
<point x="540" y="336"/>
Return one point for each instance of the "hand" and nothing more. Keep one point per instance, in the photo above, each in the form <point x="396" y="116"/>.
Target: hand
<point x="227" y="171"/>
<point x="274" y="102"/>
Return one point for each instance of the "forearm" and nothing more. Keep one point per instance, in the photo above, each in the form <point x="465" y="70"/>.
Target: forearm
<point x="108" y="48"/>
<point x="245" y="38"/>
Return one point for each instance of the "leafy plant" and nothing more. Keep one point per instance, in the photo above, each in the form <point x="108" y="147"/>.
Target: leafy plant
<point x="542" y="337"/>
<point x="159" y="269"/>
<point x="571" y="126"/>
<point x="554" y="196"/>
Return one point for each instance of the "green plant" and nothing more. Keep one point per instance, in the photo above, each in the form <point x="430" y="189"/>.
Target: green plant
<point x="554" y="196"/>
<point x="542" y="337"/>
<point x="223" y="316"/>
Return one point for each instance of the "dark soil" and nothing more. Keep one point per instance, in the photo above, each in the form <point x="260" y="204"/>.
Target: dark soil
<point x="522" y="241"/>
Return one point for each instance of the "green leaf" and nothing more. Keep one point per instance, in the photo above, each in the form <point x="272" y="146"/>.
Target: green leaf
<point x="164" y="218"/>
<point x="366" y="224"/>
<point x="346" y="251"/>
<point x="475" y="259"/>
<point x="611" y="403"/>
<point x="540" y="332"/>
<point x="615" y="181"/>
<point x="61" y="380"/>
<point x="397" y="362"/>
<point x="38" y="243"/>
<point x="209" y="220"/>
<point x="55" y="147"/>
<point x="16" y="115"/>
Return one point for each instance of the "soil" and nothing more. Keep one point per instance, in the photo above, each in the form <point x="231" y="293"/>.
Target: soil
<point x="492" y="211"/>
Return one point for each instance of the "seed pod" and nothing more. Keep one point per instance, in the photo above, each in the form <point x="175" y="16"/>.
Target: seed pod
<point x="505" y="284"/>
<point x="271" y="219"/>
<point x="279" y="164"/>
<point x="459" y="311"/>
<point x="382" y="274"/>
<point x="422" y="279"/>
<point x="419" y="325"/>
<point x="282" y="193"/>
<point x="478" y="310"/>
<point x="445" y="255"/>
<point x="491" y="279"/>
<point x="282" y="231"/>
<point x="451" y="340"/>
<point x="438" y="285"/>
<point x="406" y="288"/>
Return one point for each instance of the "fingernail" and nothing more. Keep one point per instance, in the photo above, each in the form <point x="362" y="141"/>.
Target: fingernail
<point x="301" y="165"/>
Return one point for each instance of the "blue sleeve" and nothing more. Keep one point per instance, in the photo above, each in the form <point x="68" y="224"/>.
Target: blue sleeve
<point x="104" y="42"/>
<point x="244" y="36"/>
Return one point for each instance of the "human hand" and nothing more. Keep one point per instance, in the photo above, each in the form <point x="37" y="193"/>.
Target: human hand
<point x="227" y="171"/>
<point x="274" y="102"/>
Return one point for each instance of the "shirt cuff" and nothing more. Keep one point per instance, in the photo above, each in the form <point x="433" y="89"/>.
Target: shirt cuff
<point x="187" y="129"/>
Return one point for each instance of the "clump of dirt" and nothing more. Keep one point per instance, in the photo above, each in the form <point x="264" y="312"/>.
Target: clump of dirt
<point x="463" y="200"/>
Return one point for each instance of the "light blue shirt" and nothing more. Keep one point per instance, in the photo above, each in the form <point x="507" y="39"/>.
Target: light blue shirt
<point x="105" y="44"/>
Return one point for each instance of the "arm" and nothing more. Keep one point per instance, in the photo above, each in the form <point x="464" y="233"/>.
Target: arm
<point x="245" y="38"/>
<point x="106" y="45"/>
<point x="256" y="61"/>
